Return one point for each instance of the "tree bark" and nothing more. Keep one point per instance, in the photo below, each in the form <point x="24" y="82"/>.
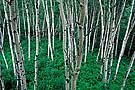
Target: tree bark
<point x="80" y="44"/>
<point x="124" y="40"/>
<point x="28" y="22"/>
<point x="17" y="47"/>
<point x="128" y="71"/>
<point x="37" y="3"/>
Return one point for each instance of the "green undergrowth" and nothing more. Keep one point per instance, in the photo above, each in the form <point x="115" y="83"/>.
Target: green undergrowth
<point x="51" y="73"/>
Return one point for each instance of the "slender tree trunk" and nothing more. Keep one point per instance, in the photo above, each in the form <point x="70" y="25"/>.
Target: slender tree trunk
<point x="132" y="40"/>
<point x="102" y="32"/>
<point x="128" y="71"/>
<point x="95" y="32"/>
<point x="90" y="31"/>
<point x="24" y="23"/>
<point x="111" y="63"/>
<point x="28" y="22"/>
<point x="124" y="40"/>
<point x="18" y="18"/>
<point x="37" y="3"/>
<point x="52" y="28"/>
<point x="50" y="50"/>
<point x="33" y="22"/>
<point x="117" y="40"/>
<point x="3" y="55"/>
<point x="105" y="60"/>
<point x="1" y="48"/>
<point x="43" y="26"/>
<point x="86" y="38"/>
<point x="1" y="80"/>
<point x="9" y="37"/>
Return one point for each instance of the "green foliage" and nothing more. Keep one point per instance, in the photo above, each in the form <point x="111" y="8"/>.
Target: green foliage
<point x="51" y="73"/>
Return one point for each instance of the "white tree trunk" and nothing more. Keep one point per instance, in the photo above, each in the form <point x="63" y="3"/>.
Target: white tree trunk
<point x="95" y="32"/>
<point x="9" y="37"/>
<point x="128" y="71"/>
<point x="1" y="80"/>
<point x="86" y="38"/>
<point x="50" y="50"/>
<point x="132" y="40"/>
<point x="28" y="22"/>
<point x="64" y="23"/>
<point x="17" y="47"/>
<point x="124" y="40"/>
<point x="52" y="28"/>
<point x="37" y="3"/>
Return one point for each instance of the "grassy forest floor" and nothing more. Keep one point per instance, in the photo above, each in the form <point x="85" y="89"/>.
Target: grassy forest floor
<point x="51" y="73"/>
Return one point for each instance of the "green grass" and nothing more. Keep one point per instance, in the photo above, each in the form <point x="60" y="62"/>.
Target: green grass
<point x="51" y="73"/>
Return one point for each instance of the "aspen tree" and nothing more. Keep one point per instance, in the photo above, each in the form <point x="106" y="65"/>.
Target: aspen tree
<point x="3" y="31"/>
<point x="69" y="57"/>
<point x="86" y="38"/>
<point x="114" y="17"/>
<point x="132" y="40"/>
<point x="64" y="25"/>
<point x="1" y="48"/>
<point x="37" y="3"/>
<point x="95" y="32"/>
<point x="128" y="71"/>
<point x="43" y="26"/>
<point x="52" y="28"/>
<point x="28" y="23"/>
<point x="70" y="42"/>
<point x="16" y="40"/>
<point x="124" y="40"/>
<point x="1" y="80"/>
<point x="111" y="63"/>
<point x="117" y="40"/>
<point x="120" y="17"/>
<point x="115" y="28"/>
<point x="3" y="55"/>
<point x="33" y="22"/>
<point x="50" y="50"/>
<point x="105" y="60"/>
<point x="72" y="35"/>
<point x="102" y="32"/>
<point x="18" y="18"/>
<point x="80" y="44"/>
<point x="75" y="6"/>
<point x="9" y="37"/>
<point x="24" y="23"/>
<point x="90" y="31"/>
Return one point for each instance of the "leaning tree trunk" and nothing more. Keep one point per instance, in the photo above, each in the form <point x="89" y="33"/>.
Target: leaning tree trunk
<point x="102" y="32"/>
<point x="128" y="71"/>
<point x="132" y="40"/>
<point x="124" y="40"/>
<point x="10" y="39"/>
